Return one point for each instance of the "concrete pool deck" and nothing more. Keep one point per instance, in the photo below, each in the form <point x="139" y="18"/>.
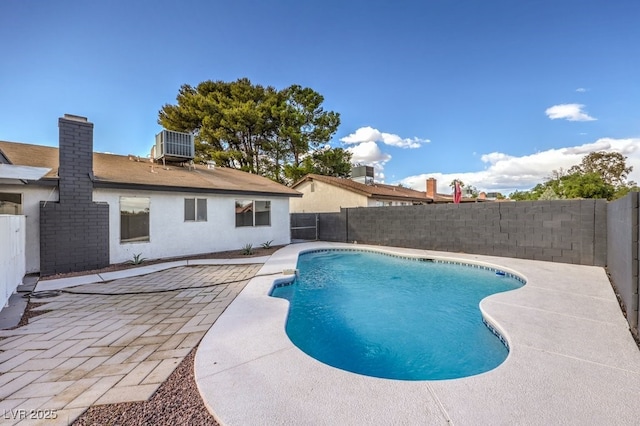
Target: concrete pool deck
<point x="572" y="359"/>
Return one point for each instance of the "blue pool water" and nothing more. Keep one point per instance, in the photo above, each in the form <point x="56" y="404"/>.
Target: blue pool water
<point x="391" y="317"/>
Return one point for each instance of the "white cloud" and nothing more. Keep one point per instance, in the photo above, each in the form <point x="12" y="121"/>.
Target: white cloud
<point x="395" y="140"/>
<point x="369" y="134"/>
<point x="570" y="112"/>
<point x="581" y="90"/>
<point x="494" y="157"/>
<point x="368" y="152"/>
<point x="505" y="173"/>
<point x="363" y="134"/>
<point x="599" y="145"/>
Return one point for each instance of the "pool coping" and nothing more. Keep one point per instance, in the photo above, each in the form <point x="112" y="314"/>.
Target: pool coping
<point x="572" y="358"/>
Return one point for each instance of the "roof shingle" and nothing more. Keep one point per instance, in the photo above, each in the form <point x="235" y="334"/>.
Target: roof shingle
<point x="122" y="171"/>
<point x="377" y="190"/>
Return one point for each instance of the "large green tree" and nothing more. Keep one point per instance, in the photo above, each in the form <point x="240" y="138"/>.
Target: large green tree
<point x="610" y="166"/>
<point x="328" y="161"/>
<point x="251" y="127"/>
<point x="599" y="175"/>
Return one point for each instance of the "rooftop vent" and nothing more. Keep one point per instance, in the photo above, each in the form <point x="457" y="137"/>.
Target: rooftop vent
<point x="362" y="174"/>
<point x="174" y="146"/>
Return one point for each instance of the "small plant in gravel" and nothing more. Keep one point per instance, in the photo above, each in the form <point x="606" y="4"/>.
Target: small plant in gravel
<point x="267" y="245"/>
<point x="137" y="259"/>
<point x="247" y="249"/>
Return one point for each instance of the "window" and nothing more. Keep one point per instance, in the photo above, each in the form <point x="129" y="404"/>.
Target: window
<point x="134" y="219"/>
<point x="10" y="203"/>
<point x="253" y="213"/>
<point x="195" y="209"/>
<point x="263" y="213"/>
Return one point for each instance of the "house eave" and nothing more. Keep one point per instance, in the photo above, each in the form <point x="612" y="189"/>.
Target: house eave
<point x="53" y="182"/>
<point x="141" y="187"/>
<point x="405" y="199"/>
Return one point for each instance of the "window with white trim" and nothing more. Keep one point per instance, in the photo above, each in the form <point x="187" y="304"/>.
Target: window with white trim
<point x="195" y="209"/>
<point x="253" y="213"/>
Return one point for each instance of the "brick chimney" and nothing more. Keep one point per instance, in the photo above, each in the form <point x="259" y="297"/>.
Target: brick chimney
<point x="75" y="159"/>
<point x="74" y="232"/>
<point x="432" y="184"/>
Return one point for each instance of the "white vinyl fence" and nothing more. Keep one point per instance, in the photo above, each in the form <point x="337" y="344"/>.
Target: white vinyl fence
<point x="12" y="255"/>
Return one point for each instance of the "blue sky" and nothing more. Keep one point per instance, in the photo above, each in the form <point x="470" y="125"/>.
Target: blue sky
<point x="497" y="93"/>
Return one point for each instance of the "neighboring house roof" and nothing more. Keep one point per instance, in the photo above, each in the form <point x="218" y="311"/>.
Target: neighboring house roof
<point x="375" y="190"/>
<point x="120" y="171"/>
<point x="444" y="198"/>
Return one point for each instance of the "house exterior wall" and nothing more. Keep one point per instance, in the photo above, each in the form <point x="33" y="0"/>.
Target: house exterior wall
<point x="31" y="197"/>
<point x="325" y="198"/>
<point x="171" y="236"/>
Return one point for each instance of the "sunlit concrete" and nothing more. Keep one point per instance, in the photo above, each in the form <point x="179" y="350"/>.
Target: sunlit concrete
<point x="572" y="359"/>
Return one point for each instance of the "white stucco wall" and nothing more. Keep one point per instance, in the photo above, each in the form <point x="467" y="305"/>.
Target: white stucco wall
<point x="31" y="197"/>
<point x="12" y="255"/>
<point x="325" y="198"/>
<point x="171" y="236"/>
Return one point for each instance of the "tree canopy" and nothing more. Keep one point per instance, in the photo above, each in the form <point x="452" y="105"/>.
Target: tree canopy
<point x="599" y="175"/>
<point x="610" y="166"/>
<point x="280" y="134"/>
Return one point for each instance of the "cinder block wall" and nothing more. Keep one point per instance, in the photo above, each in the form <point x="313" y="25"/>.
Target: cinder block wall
<point x="622" y="253"/>
<point x="332" y="226"/>
<point x="568" y="231"/>
<point x="74" y="232"/>
<point x="303" y="226"/>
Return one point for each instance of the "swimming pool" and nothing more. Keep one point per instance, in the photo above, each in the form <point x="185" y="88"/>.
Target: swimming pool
<point x="392" y="317"/>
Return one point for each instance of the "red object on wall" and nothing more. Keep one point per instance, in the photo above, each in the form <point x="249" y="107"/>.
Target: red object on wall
<point x="457" y="193"/>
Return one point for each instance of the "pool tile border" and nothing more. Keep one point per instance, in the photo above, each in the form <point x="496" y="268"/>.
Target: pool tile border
<point x="424" y="259"/>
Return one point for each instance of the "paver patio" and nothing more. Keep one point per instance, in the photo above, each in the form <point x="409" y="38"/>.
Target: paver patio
<point x="108" y="345"/>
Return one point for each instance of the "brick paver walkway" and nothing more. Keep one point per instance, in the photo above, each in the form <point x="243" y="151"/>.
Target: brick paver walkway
<point x="111" y="347"/>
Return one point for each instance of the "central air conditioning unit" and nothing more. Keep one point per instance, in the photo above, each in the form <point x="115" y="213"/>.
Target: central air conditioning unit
<point x="362" y="174"/>
<point x="174" y="146"/>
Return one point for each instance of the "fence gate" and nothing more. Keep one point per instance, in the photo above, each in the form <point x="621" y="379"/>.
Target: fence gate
<point x="304" y="226"/>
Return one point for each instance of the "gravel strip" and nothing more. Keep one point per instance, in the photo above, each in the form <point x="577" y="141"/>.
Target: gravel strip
<point x="176" y="402"/>
<point x="234" y="254"/>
